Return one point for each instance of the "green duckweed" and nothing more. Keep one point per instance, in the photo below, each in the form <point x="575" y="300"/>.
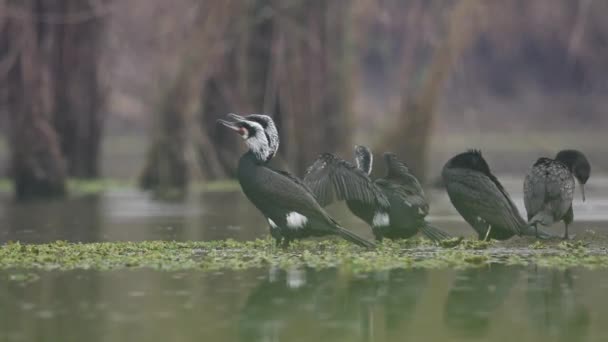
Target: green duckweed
<point x="233" y="255"/>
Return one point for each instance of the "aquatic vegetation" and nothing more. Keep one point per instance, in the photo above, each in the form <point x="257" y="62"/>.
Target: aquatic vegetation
<point x="229" y="254"/>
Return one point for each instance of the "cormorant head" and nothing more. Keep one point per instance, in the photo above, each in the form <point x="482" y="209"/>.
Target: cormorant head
<point x="364" y="158"/>
<point x="394" y="166"/>
<point x="472" y="160"/>
<point x="269" y="127"/>
<point x="254" y="135"/>
<point x="578" y="165"/>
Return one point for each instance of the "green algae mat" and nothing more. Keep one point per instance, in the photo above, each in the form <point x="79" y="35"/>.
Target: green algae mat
<point x="233" y="255"/>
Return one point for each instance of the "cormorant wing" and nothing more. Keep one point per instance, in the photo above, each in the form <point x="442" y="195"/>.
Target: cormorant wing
<point x="406" y="195"/>
<point x="294" y="179"/>
<point x="482" y="202"/>
<point x="332" y="179"/>
<point x="277" y="193"/>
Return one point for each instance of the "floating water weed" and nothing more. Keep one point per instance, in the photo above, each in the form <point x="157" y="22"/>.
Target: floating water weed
<point x="230" y="254"/>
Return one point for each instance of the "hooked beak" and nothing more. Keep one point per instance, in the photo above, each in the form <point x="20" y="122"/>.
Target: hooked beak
<point x="232" y="125"/>
<point x="229" y="124"/>
<point x="236" y="117"/>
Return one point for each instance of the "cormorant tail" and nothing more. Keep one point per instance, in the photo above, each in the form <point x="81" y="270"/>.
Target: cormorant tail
<point x="354" y="238"/>
<point x="434" y="233"/>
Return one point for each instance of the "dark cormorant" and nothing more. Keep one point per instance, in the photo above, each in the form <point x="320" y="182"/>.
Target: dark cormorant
<point x="549" y="188"/>
<point x="480" y="198"/>
<point x="286" y="202"/>
<point x="394" y="206"/>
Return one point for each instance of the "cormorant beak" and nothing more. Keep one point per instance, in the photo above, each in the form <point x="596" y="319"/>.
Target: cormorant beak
<point x="583" y="191"/>
<point x="233" y="126"/>
<point x="236" y="117"/>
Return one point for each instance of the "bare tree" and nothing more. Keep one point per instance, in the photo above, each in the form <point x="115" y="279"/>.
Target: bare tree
<point x="79" y="99"/>
<point x="410" y="133"/>
<point x="38" y="167"/>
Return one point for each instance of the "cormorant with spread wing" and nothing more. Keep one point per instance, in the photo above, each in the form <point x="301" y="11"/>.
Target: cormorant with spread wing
<point x="394" y="206"/>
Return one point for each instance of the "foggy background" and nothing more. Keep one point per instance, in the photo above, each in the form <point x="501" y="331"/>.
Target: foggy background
<point x="132" y="89"/>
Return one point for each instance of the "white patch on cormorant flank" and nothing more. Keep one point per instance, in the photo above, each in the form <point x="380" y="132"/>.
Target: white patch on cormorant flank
<point x="296" y="220"/>
<point x="272" y="224"/>
<point x="381" y="219"/>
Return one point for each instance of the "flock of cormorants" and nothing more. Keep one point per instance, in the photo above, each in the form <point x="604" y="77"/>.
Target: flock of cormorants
<point x="395" y="206"/>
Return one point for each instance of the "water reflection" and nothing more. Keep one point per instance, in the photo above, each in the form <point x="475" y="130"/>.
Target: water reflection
<point x="74" y="219"/>
<point x="51" y="309"/>
<point x="284" y="300"/>
<point x="404" y="290"/>
<point x="475" y="296"/>
<point x="494" y="303"/>
<point x="360" y="307"/>
<point x="554" y="308"/>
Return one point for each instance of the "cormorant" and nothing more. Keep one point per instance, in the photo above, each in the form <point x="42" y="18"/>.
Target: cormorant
<point x="394" y="206"/>
<point x="481" y="200"/>
<point x="285" y="201"/>
<point x="549" y="188"/>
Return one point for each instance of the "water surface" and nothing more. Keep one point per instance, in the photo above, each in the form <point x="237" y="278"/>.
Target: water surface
<point x="496" y="302"/>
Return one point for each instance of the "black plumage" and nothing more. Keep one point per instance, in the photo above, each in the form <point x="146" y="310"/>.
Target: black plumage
<point x="480" y="198"/>
<point x="549" y="188"/>
<point x="288" y="205"/>
<point x="394" y="206"/>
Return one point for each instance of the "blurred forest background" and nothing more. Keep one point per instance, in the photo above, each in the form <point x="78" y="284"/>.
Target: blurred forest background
<point x="132" y="89"/>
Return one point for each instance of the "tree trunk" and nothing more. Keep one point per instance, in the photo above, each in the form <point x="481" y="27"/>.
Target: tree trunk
<point x="37" y="166"/>
<point x="313" y="86"/>
<point x="301" y="79"/>
<point x="166" y="170"/>
<point x="415" y="121"/>
<point x="79" y="100"/>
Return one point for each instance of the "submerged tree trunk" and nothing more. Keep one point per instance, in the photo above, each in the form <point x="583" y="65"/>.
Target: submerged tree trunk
<point x="166" y="169"/>
<point x="37" y="166"/>
<point x="413" y="127"/>
<point x="313" y="81"/>
<point x="54" y="100"/>
<point x="78" y="95"/>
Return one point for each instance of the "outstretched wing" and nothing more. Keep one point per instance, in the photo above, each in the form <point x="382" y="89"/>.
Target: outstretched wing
<point x="405" y="198"/>
<point x="333" y="179"/>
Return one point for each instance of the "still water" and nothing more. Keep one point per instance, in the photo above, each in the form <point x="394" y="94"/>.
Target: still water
<point x="496" y="303"/>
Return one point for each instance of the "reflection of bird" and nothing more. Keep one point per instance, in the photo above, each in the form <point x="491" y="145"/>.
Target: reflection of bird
<point x="287" y="204"/>
<point x="480" y="198"/>
<point x="278" y="302"/>
<point x="394" y="206"/>
<point x="553" y="306"/>
<point x="549" y="188"/>
<point x="403" y="291"/>
<point x="475" y="295"/>
<point x="344" y="308"/>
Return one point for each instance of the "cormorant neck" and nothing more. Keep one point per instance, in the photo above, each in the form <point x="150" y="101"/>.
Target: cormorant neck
<point x="257" y="158"/>
<point x="364" y="159"/>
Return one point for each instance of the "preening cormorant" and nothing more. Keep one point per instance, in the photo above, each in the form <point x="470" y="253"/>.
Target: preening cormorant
<point x="394" y="206"/>
<point x="286" y="202"/>
<point x="549" y="188"/>
<point x="481" y="200"/>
